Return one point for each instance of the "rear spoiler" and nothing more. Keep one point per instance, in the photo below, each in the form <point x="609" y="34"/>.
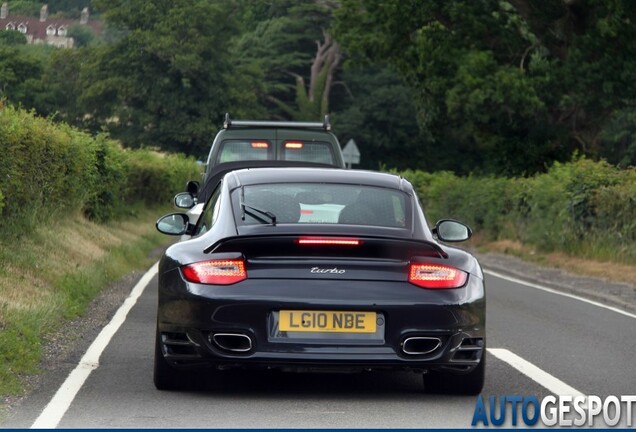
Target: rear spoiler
<point x="291" y="245"/>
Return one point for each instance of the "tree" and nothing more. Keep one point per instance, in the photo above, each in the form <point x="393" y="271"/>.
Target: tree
<point x="83" y="35"/>
<point x="375" y="109"/>
<point x="25" y="7"/>
<point x="165" y="81"/>
<point x="18" y="72"/>
<point x="70" y="8"/>
<point x="287" y="44"/>
<point x="57" y="93"/>
<point x="503" y="86"/>
<point x="12" y="37"/>
<point x="312" y="99"/>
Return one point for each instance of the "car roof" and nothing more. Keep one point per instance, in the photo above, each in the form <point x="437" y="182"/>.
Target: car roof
<point x="319" y="175"/>
<point x="222" y="169"/>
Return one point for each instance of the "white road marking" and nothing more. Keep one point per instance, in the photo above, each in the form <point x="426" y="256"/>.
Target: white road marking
<point x="553" y="291"/>
<point x="57" y="407"/>
<point x="555" y="385"/>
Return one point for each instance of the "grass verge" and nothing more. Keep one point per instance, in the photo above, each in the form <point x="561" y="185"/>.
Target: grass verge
<point x="610" y="270"/>
<point x="54" y="272"/>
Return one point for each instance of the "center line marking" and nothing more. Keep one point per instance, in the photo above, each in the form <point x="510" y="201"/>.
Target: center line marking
<point x="555" y="385"/>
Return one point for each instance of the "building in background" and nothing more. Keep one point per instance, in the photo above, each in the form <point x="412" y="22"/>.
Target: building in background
<point x="50" y="31"/>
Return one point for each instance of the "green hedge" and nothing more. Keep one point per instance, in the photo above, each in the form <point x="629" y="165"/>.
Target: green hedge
<point x="583" y="207"/>
<point x="48" y="168"/>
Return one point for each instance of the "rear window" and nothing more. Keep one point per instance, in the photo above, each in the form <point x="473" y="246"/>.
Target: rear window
<point x="319" y="152"/>
<point x="239" y="150"/>
<point x="312" y="203"/>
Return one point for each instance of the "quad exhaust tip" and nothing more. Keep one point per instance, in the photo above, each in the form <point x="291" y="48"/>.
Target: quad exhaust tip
<point x="420" y="345"/>
<point x="234" y="342"/>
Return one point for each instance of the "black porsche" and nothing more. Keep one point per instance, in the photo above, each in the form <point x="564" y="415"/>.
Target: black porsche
<point x="308" y="269"/>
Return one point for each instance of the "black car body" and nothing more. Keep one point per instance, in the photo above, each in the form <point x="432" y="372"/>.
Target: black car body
<point x="311" y="269"/>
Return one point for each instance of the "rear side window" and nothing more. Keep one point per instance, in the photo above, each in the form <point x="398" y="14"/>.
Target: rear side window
<point x="319" y="152"/>
<point x="239" y="150"/>
<point x="210" y="212"/>
<point x="313" y="203"/>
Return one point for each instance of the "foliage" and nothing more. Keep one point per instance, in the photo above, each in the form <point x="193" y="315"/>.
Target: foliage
<point x="25" y="7"/>
<point x="108" y="187"/>
<point x="618" y="140"/>
<point x="375" y="109"/>
<point x="279" y="41"/>
<point x="503" y="86"/>
<point x="12" y="38"/>
<point x="581" y="207"/>
<point x="82" y="35"/>
<point x="41" y="289"/>
<point x="259" y="66"/>
<point x="19" y="71"/>
<point x="47" y="168"/>
<point x="56" y="94"/>
<point x="43" y="168"/>
<point x="154" y="177"/>
<point x="163" y="83"/>
<point x="69" y="8"/>
<point x="49" y="173"/>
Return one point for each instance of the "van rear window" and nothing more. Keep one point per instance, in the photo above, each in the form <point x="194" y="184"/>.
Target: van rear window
<point x="319" y="152"/>
<point x="239" y="150"/>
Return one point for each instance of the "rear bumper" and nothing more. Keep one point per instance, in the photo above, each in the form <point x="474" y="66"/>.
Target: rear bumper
<point x="188" y="348"/>
<point x="451" y="324"/>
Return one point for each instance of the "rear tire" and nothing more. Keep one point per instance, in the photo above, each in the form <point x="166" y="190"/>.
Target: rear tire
<point x="469" y="384"/>
<point x="165" y="376"/>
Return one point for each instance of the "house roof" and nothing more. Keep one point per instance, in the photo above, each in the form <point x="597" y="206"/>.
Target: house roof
<point x="37" y="28"/>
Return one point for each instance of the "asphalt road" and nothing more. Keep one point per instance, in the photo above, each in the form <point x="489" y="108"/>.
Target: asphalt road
<point x="564" y="343"/>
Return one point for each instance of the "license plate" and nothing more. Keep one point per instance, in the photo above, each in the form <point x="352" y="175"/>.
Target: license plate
<point x="327" y="321"/>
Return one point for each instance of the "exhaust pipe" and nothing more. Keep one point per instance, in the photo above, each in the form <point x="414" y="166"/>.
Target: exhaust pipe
<point x="235" y="342"/>
<point x="420" y="345"/>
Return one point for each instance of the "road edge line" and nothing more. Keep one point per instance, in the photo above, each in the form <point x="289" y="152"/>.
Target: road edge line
<point x="554" y="291"/>
<point x="52" y="414"/>
<point x="544" y="379"/>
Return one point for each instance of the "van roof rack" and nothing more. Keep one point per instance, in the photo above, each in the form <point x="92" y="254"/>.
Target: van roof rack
<point x="228" y="123"/>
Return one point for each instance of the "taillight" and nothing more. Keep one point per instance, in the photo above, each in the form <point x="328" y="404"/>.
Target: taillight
<point x="328" y="241"/>
<point x="260" y="144"/>
<point x="436" y="276"/>
<point x="215" y="272"/>
<point x="293" y="145"/>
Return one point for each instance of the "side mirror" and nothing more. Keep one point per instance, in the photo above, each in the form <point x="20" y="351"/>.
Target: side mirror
<point x="192" y="187"/>
<point x="173" y="224"/>
<point x="449" y="230"/>
<point x="184" y="200"/>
